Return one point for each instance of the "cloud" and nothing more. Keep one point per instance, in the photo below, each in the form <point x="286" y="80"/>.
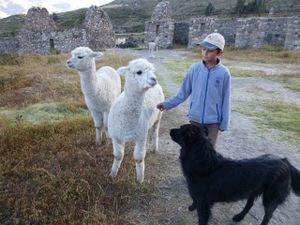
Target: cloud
<point x="62" y="6"/>
<point x="10" y="7"/>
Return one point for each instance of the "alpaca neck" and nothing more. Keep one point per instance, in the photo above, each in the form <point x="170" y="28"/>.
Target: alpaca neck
<point x="134" y="100"/>
<point x="88" y="80"/>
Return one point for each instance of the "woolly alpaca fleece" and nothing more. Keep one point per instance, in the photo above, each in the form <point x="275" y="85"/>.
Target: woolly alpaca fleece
<point x="100" y="88"/>
<point x="134" y="114"/>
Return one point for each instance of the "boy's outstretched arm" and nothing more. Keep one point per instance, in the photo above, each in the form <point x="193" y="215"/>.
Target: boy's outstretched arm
<point x="182" y="94"/>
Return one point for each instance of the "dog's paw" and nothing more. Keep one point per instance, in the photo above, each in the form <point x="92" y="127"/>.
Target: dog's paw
<point x="238" y="218"/>
<point x="192" y="207"/>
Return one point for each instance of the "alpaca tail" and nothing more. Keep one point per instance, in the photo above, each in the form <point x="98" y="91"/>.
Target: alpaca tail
<point x="295" y="174"/>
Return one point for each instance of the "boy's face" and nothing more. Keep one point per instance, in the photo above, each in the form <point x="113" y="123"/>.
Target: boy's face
<point x="209" y="55"/>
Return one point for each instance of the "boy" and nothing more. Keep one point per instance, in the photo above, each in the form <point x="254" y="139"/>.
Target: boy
<point x="208" y="82"/>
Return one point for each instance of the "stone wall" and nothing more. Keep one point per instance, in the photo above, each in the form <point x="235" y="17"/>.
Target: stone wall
<point x="67" y="40"/>
<point x="99" y="29"/>
<point x="35" y="35"/>
<point x="201" y="27"/>
<point x="292" y="40"/>
<point x="256" y="32"/>
<point x="39" y="33"/>
<point x="9" y="45"/>
<point x="161" y="27"/>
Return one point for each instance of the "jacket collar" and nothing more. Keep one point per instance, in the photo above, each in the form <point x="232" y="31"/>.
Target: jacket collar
<point x="213" y="67"/>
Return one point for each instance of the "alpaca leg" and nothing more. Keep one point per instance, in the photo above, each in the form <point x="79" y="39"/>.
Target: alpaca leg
<point x="97" y="117"/>
<point x="139" y="157"/>
<point x="118" y="148"/>
<point x="105" y="122"/>
<point x="155" y="135"/>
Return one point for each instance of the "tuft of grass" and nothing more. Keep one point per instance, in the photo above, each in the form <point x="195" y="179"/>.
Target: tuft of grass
<point x="272" y="114"/>
<point x="52" y="173"/>
<point x="10" y="59"/>
<point x="14" y="80"/>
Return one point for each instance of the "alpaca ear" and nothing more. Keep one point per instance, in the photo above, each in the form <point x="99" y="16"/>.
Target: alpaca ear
<point x="122" y="70"/>
<point x="96" y="55"/>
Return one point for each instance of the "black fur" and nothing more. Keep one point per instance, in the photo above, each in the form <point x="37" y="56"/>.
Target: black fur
<point x="213" y="178"/>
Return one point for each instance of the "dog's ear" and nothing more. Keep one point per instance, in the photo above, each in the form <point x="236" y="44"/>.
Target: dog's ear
<point x="191" y="135"/>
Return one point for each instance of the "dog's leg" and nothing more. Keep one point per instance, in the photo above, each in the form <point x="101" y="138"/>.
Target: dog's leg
<point x="268" y="213"/>
<point x="203" y="211"/>
<point x="248" y="206"/>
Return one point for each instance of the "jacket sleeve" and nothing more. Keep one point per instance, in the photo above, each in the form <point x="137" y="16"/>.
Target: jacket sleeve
<point x="226" y="108"/>
<point x="183" y="93"/>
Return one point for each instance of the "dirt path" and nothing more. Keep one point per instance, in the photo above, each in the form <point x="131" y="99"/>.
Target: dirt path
<point x="169" y="207"/>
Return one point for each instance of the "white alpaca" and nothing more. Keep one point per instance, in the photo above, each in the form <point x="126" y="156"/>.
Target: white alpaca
<point x="100" y="88"/>
<point x="134" y="115"/>
<point x="151" y="47"/>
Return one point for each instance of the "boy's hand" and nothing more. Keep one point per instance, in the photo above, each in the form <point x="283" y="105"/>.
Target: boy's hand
<point x="160" y="106"/>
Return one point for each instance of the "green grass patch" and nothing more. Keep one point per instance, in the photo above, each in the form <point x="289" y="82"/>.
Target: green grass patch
<point x="164" y="85"/>
<point x="178" y="68"/>
<point x="276" y="115"/>
<point x="44" y="112"/>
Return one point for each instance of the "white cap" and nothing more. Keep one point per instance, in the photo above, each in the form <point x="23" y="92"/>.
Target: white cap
<point x="214" y="41"/>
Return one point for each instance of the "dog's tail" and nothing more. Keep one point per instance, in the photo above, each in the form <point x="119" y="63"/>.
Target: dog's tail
<point x="295" y="174"/>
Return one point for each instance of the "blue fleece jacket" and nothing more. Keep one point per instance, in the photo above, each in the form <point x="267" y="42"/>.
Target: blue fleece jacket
<point x="210" y="94"/>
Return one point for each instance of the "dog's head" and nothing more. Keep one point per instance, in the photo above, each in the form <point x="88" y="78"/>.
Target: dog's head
<point x="188" y="135"/>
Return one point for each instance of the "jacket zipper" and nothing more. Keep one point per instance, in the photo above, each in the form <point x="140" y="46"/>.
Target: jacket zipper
<point x="205" y="96"/>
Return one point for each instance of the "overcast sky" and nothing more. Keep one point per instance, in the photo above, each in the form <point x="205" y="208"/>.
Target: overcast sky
<point x="11" y="7"/>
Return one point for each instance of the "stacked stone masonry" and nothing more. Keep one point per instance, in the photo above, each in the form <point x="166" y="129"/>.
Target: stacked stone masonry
<point x="39" y="33"/>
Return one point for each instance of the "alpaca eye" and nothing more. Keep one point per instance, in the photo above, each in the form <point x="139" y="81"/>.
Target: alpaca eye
<point x="139" y="72"/>
<point x="80" y="57"/>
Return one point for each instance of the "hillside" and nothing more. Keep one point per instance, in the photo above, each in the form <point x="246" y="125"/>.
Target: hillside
<point x="130" y="15"/>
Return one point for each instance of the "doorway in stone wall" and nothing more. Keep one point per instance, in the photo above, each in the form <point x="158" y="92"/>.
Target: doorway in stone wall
<point x="157" y="30"/>
<point x="52" y="44"/>
<point x="181" y="34"/>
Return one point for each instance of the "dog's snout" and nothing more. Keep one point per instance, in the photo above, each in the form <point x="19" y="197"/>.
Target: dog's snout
<point x="153" y="79"/>
<point x="68" y="62"/>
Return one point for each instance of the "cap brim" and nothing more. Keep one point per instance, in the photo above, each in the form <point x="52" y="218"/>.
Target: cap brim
<point x="208" y="45"/>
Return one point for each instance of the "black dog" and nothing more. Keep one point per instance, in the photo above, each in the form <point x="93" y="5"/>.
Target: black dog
<point x="213" y="178"/>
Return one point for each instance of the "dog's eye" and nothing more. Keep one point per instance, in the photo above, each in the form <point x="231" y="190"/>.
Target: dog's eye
<point x="80" y="57"/>
<point x="139" y="72"/>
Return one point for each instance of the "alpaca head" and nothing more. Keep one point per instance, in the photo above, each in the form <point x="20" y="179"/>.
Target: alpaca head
<point x="83" y="58"/>
<point x="139" y="74"/>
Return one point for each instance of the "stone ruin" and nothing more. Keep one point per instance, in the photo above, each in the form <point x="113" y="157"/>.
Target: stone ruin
<point x="251" y="32"/>
<point x="161" y="27"/>
<point x="99" y="29"/>
<point x="39" y="34"/>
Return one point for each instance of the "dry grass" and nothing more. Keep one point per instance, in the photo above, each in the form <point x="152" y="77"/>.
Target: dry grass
<point x="52" y="173"/>
<point x="43" y="79"/>
<point x="263" y="55"/>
